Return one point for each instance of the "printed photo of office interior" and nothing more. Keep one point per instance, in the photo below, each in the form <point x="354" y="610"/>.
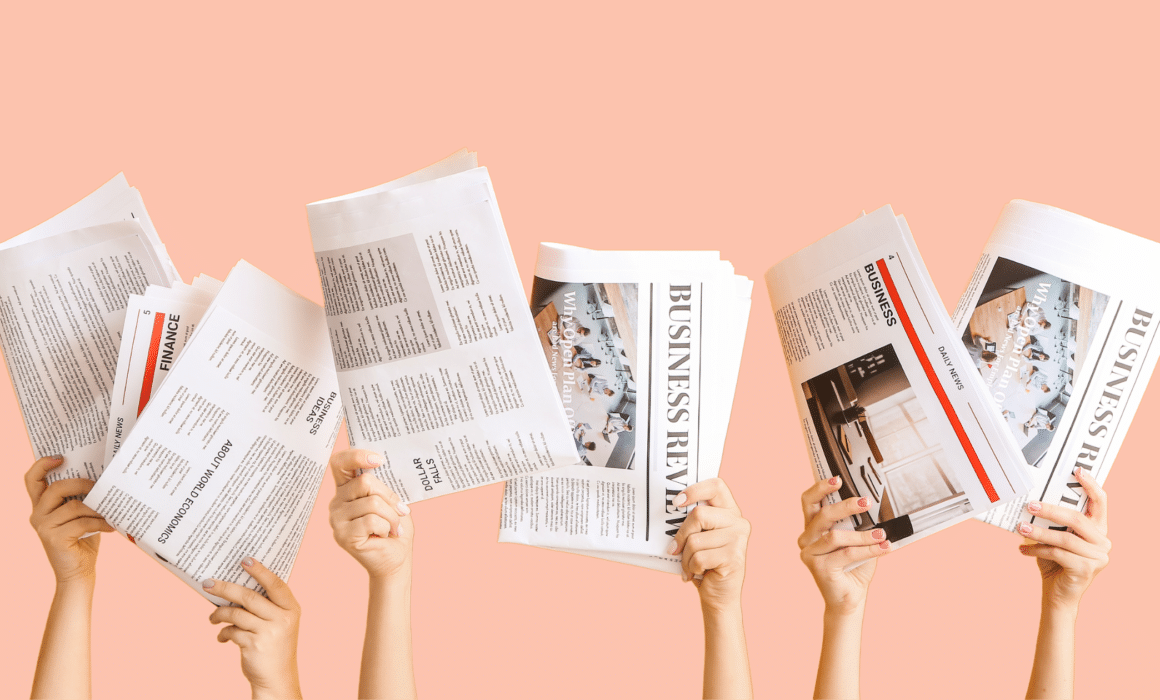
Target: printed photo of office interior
<point x="875" y="435"/>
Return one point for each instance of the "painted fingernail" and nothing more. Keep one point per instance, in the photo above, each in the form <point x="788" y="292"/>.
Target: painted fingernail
<point x="834" y="481"/>
<point x="1079" y="471"/>
<point x="863" y="503"/>
<point x="248" y="561"/>
<point x="375" y="460"/>
<point x="1025" y="528"/>
<point x="207" y="584"/>
<point x="1034" y="506"/>
<point x="673" y="547"/>
<point x="878" y="534"/>
<point x="402" y="508"/>
<point x="884" y="545"/>
<point x="681" y="499"/>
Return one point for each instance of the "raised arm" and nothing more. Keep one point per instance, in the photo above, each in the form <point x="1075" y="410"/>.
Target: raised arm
<point x="712" y="543"/>
<point x="827" y="552"/>
<point x="64" y="667"/>
<point x="374" y="526"/>
<point x="1068" y="562"/>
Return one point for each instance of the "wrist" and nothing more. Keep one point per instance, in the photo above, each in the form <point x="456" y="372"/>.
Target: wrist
<point x="721" y="608"/>
<point x="398" y="580"/>
<point x="83" y="584"/>
<point x="845" y="611"/>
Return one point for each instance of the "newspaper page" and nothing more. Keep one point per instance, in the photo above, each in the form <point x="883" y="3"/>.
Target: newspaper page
<point x="436" y="353"/>
<point x="63" y="298"/>
<point x="1058" y="319"/>
<point x="644" y="348"/>
<point x="227" y="458"/>
<point x="882" y="387"/>
<point x="157" y="326"/>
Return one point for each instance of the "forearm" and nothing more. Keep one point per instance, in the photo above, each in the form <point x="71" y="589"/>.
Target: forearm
<point x="387" y="661"/>
<point x="1053" y="672"/>
<point x="63" y="669"/>
<point x="726" y="654"/>
<point x="839" y="665"/>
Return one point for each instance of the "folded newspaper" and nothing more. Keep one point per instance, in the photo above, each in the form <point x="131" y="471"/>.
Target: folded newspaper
<point x="228" y="455"/>
<point x="64" y="290"/>
<point x="438" y="362"/>
<point x="888" y="397"/>
<point x="644" y="349"/>
<point x="1059" y="320"/>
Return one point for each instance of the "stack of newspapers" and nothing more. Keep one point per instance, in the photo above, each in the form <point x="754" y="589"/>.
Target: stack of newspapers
<point x="936" y="419"/>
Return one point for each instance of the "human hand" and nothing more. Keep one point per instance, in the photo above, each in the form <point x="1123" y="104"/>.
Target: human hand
<point x="60" y="523"/>
<point x="265" y="629"/>
<point x="369" y="520"/>
<point x="712" y="543"/>
<point x="1069" y="560"/>
<point x="827" y="552"/>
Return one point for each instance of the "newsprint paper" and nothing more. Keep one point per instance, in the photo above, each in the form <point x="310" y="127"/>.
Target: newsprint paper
<point x="888" y="397"/>
<point x="437" y="357"/>
<point x="1059" y="318"/>
<point x="64" y="287"/>
<point x="227" y="458"/>
<point x="644" y="349"/>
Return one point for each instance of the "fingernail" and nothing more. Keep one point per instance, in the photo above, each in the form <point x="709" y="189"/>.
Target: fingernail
<point x="1025" y="528"/>
<point x="1024" y="547"/>
<point x="1034" y="506"/>
<point x="207" y="584"/>
<point x="248" y="561"/>
<point x="684" y="577"/>
<point x="1079" y="471"/>
<point x="878" y="534"/>
<point x="375" y="460"/>
<point x="863" y="503"/>
<point x="673" y="547"/>
<point x="57" y="458"/>
<point x="402" y="508"/>
<point x="681" y="499"/>
<point x="834" y="481"/>
<point x="884" y="545"/>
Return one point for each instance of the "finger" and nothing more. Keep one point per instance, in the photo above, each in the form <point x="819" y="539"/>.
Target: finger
<point x="1066" y="559"/>
<point x="373" y="504"/>
<point x="77" y="528"/>
<point x="346" y="465"/>
<point x="58" y="492"/>
<point x="848" y="556"/>
<point x="249" y="599"/>
<point x="814" y="496"/>
<point x="711" y="491"/>
<point x="277" y="590"/>
<point x="367" y="484"/>
<point x="71" y="510"/>
<point x="700" y="519"/>
<point x="830" y="515"/>
<point x="372" y="525"/>
<point x="833" y="540"/>
<point x="34" y="478"/>
<point x="1097" y="498"/>
<point x="1058" y="538"/>
<point x="1079" y="523"/>
<point x="238" y="636"/>
<point x="705" y="560"/>
<point x="238" y="617"/>
<point x="709" y="539"/>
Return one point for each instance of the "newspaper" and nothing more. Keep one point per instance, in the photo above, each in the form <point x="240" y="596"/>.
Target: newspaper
<point x="437" y="357"/>
<point x="1058" y="318"/>
<point x="882" y="384"/>
<point x="64" y="286"/>
<point x="644" y="349"/>
<point x="157" y="326"/>
<point x="227" y="458"/>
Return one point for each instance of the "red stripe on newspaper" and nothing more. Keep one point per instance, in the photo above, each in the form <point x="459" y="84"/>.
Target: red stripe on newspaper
<point x="937" y="385"/>
<point x="151" y="363"/>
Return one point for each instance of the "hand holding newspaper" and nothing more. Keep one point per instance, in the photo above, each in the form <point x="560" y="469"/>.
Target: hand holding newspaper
<point x="64" y="287"/>
<point x="644" y="349"/>
<point x="1059" y="321"/>
<point x="888" y="398"/>
<point x="227" y="457"/>
<point x="438" y="363"/>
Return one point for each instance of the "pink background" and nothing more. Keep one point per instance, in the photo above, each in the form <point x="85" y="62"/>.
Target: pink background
<point x="755" y="130"/>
